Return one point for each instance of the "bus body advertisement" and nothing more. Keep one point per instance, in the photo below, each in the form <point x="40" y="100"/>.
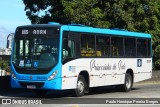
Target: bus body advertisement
<point x="58" y="57"/>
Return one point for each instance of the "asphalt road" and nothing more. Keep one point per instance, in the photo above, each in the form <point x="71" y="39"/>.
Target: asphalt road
<point x="60" y="98"/>
<point x="139" y="90"/>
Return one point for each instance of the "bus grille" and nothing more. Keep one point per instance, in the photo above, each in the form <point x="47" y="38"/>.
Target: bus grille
<point x="37" y="84"/>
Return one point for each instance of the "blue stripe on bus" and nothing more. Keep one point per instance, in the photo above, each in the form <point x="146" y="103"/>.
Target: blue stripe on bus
<point x="105" y="31"/>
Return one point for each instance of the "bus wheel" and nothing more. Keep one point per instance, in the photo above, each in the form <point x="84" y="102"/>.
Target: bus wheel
<point x="128" y="83"/>
<point x="81" y="85"/>
<point x="40" y="93"/>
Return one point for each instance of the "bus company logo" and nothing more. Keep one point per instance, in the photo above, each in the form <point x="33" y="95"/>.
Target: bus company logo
<point x="72" y="68"/>
<point x="139" y="62"/>
<point x="120" y="66"/>
<point x="97" y="67"/>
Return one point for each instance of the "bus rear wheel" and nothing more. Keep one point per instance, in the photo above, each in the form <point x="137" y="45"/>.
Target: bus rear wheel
<point x="128" y="83"/>
<point x="81" y="87"/>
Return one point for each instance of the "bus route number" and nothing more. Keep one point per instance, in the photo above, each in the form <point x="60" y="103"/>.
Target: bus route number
<point x="24" y="32"/>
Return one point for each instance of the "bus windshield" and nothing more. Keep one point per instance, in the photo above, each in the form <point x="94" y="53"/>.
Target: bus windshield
<point x="35" y="52"/>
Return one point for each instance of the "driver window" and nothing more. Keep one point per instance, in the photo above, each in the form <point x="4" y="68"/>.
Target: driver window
<point x="68" y="48"/>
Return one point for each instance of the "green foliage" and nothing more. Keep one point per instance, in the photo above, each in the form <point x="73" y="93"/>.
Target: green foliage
<point x="133" y="15"/>
<point x="5" y="64"/>
<point x="83" y="11"/>
<point x="157" y="64"/>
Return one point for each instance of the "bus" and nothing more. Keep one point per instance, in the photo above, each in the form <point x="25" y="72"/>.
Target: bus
<point x="77" y="57"/>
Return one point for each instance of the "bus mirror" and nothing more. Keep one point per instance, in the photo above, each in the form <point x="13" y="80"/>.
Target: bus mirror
<point x="10" y="38"/>
<point x="7" y="44"/>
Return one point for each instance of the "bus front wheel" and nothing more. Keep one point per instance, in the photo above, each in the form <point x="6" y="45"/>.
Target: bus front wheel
<point x="128" y="83"/>
<point x="81" y="86"/>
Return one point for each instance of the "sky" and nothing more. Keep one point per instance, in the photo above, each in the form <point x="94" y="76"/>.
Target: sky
<point x="12" y="14"/>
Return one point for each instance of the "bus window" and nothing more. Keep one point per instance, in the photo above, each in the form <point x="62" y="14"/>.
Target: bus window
<point x="149" y="47"/>
<point x="71" y="47"/>
<point x="130" y="47"/>
<point x="21" y="48"/>
<point x="88" y="45"/>
<point x="141" y="47"/>
<point x="103" y="46"/>
<point x="68" y="48"/>
<point x="27" y="54"/>
<point x="117" y="46"/>
<point x="65" y="52"/>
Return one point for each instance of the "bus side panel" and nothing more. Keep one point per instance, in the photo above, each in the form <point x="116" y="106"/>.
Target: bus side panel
<point x="100" y="71"/>
<point x="69" y="76"/>
<point x="105" y="71"/>
<point x="69" y="83"/>
<point x="144" y="69"/>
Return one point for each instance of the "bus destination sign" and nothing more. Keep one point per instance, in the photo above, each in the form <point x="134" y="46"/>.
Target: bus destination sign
<point x="34" y="32"/>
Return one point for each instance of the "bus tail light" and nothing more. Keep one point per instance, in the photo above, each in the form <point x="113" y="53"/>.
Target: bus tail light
<point x="53" y="75"/>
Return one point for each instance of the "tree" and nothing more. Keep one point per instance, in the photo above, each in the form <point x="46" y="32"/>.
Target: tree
<point x="83" y="11"/>
<point x="133" y="15"/>
<point x="43" y="11"/>
<point x="63" y="11"/>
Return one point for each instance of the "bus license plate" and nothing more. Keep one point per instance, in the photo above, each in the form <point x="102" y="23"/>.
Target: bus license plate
<point x="31" y="86"/>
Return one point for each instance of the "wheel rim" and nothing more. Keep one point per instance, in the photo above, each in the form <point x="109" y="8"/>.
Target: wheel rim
<point x="128" y="83"/>
<point x="80" y="86"/>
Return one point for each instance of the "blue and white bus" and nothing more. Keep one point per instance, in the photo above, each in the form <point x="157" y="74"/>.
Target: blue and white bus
<point x="60" y="57"/>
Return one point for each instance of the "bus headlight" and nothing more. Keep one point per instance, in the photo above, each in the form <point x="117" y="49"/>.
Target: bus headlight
<point x="53" y="75"/>
<point x="13" y="75"/>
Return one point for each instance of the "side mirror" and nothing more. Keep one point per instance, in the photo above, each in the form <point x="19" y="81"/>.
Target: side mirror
<point x="7" y="44"/>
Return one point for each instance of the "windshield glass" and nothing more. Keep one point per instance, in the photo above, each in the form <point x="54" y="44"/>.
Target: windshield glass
<point x="35" y="53"/>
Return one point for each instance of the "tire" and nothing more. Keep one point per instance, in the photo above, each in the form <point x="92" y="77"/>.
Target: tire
<point x="128" y="83"/>
<point x="40" y="93"/>
<point x="81" y="87"/>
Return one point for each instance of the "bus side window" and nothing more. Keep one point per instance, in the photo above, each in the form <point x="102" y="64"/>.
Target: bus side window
<point x="68" y="48"/>
<point x="117" y="46"/>
<point x="64" y="51"/>
<point x="142" y="47"/>
<point x="88" y="45"/>
<point x="130" y="47"/>
<point x="103" y="45"/>
<point x="71" y="48"/>
<point x="149" y="47"/>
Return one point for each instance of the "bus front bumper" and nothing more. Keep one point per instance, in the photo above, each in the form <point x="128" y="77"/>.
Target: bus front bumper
<point x="51" y="85"/>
